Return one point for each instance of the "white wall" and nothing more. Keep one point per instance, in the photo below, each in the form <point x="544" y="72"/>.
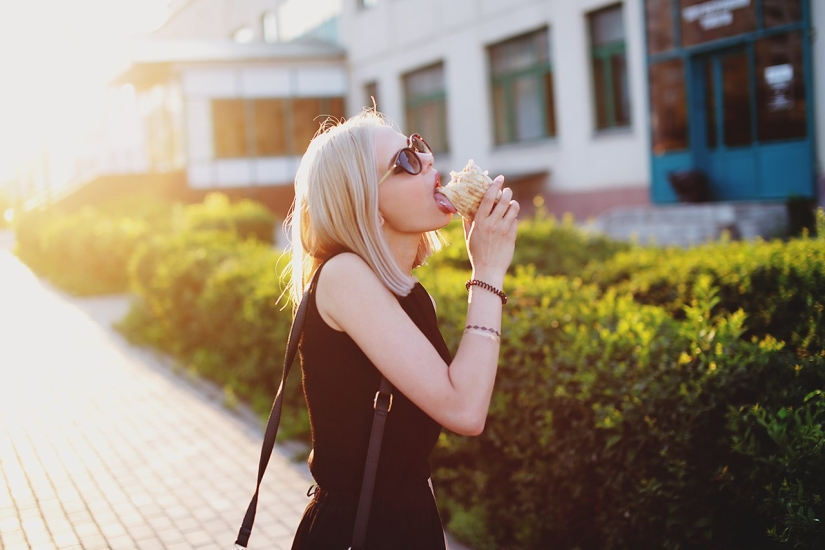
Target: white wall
<point x="215" y="19"/>
<point x="394" y="38"/>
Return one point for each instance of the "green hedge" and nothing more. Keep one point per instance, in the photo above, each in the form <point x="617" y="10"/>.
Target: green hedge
<point x="614" y="425"/>
<point x="779" y="285"/>
<point x="82" y="253"/>
<point x="87" y="251"/>
<point x="647" y="398"/>
<point x="553" y="247"/>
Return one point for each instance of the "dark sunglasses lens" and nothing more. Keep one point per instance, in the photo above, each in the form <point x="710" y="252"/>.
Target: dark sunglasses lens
<point x="419" y="144"/>
<point x="409" y="161"/>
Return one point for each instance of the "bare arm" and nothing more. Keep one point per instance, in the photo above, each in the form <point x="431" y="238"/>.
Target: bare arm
<point x="351" y="298"/>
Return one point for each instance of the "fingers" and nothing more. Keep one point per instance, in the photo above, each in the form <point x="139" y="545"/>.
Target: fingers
<point x="490" y="197"/>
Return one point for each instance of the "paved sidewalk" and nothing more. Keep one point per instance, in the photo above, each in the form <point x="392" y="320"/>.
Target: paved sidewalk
<point x="102" y="446"/>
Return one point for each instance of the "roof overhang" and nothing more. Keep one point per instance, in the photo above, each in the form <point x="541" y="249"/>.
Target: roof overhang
<point x="153" y="60"/>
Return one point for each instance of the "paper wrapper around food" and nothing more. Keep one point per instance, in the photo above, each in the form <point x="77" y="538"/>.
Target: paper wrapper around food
<point x="466" y="189"/>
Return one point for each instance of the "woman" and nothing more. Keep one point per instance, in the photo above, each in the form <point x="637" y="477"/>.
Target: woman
<point x="365" y="217"/>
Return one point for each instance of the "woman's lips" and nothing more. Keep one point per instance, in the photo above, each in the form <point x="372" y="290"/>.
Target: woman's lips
<point x="443" y="202"/>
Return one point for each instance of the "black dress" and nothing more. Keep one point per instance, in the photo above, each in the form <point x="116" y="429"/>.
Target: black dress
<point x="339" y="384"/>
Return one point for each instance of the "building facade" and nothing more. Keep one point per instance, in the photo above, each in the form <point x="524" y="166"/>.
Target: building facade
<point x="588" y="104"/>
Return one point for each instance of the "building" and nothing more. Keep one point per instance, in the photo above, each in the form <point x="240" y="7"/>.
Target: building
<point x="589" y="104"/>
<point x="605" y="109"/>
<point x="225" y="96"/>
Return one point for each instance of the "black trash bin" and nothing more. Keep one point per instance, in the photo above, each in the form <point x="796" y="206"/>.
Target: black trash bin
<point x="690" y="185"/>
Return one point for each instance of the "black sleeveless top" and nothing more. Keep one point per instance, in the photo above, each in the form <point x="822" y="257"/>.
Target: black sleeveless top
<point x="340" y="384"/>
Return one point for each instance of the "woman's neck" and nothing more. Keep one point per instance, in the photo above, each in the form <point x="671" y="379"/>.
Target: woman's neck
<point x="404" y="249"/>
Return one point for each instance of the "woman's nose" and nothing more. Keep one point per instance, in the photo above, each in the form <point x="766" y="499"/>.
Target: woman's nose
<point x="427" y="159"/>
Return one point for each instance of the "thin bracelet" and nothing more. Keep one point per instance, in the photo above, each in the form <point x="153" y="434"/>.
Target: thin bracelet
<point x="477" y="332"/>
<point x="486" y="286"/>
<point x="485" y="329"/>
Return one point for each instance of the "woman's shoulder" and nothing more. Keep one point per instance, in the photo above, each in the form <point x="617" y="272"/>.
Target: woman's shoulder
<point x="345" y="264"/>
<point x="348" y="272"/>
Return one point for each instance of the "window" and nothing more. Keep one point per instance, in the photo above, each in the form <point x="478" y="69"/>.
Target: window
<point x="668" y="106"/>
<point x="243" y="35"/>
<point x="609" y="67"/>
<point x="229" y="127"/>
<point x="371" y="94"/>
<point x="781" y="12"/>
<point x="780" y="87"/>
<point x="426" y="105"/>
<point x="270" y="138"/>
<point x="522" y="82"/>
<point x="659" y="26"/>
<point x="269" y="127"/>
<point x="269" y="26"/>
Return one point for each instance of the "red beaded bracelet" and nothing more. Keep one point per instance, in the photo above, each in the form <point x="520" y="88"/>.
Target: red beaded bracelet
<point x="486" y="286"/>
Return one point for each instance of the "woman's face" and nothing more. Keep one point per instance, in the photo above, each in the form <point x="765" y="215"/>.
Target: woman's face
<point x="407" y="202"/>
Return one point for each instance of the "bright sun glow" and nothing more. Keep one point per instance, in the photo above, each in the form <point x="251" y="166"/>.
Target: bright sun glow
<point x="55" y="58"/>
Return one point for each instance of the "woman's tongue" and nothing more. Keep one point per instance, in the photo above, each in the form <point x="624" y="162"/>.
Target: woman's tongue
<point x="444" y="203"/>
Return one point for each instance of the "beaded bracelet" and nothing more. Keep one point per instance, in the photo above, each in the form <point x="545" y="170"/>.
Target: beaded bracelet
<point x="486" y="286"/>
<point x="485" y="329"/>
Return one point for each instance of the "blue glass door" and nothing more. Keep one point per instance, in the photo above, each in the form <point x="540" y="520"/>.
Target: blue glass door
<point x="725" y="146"/>
<point x="750" y="120"/>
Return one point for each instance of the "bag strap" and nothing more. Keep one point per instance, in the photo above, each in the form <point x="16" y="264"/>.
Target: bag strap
<point x="382" y="405"/>
<point x="274" y="420"/>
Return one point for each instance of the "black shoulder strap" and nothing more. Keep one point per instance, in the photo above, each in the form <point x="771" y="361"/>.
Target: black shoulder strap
<point x="382" y="405"/>
<point x="274" y="420"/>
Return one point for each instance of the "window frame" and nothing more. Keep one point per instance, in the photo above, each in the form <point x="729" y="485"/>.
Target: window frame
<point x="603" y="56"/>
<point x="414" y="105"/>
<point x="505" y="82"/>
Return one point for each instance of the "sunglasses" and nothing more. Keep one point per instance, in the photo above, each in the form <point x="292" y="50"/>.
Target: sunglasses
<point x="407" y="158"/>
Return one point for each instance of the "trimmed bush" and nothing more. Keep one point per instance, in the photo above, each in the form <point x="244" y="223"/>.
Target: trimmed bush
<point x="779" y="285"/>
<point x="665" y="398"/>
<point x="82" y="253"/>
<point x="554" y="247"/>
<point x="247" y="218"/>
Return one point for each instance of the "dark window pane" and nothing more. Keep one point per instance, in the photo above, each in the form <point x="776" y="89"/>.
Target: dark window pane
<point x="270" y="133"/>
<point x="781" y="12"/>
<point x="668" y="106"/>
<point x="780" y="88"/>
<point x="229" y="128"/>
<point x="710" y="105"/>
<point x="705" y="20"/>
<point x="500" y="114"/>
<point x="736" y="103"/>
<point x="549" y="105"/>
<point x="659" y="26"/>
<point x="621" y="95"/>
<point x="600" y="89"/>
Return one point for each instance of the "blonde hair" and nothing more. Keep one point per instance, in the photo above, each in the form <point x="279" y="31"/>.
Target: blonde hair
<point x="336" y="207"/>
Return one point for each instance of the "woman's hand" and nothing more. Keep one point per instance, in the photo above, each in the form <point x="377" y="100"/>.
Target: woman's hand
<point x="491" y="237"/>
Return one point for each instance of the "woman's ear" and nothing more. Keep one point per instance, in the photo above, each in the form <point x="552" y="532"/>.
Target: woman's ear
<point x="381" y="220"/>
